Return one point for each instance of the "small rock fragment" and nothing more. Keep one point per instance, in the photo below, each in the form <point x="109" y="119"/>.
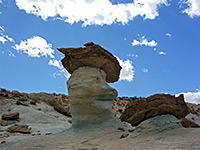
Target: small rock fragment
<point x="22" y="99"/>
<point x="22" y="103"/>
<point x="121" y="129"/>
<point x="124" y="136"/>
<point x="88" y="44"/>
<point x="2" y="142"/>
<point x="131" y="130"/>
<point x="3" y="122"/>
<point x="70" y="121"/>
<point x="19" y="128"/>
<point x="10" y="116"/>
<point x="32" y="102"/>
<point x="188" y="123"/>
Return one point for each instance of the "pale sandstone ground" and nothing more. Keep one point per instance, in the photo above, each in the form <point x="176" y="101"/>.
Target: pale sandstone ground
<point x="162" y="132"/>
<point x="179" y="139"/>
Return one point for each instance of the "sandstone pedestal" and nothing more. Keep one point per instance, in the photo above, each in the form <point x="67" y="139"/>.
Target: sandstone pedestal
<point x="91" y="98"/>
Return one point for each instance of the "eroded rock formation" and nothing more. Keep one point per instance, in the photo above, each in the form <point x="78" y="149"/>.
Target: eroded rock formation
<point x="90" y="96"/>
<point x="158" y="104"/>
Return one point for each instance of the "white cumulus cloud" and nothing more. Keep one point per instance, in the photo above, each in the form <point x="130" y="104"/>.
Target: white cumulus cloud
<point x="193" y="9"/>
<point x="4" y="38"/>
<point x="162" y="53"/>
<point x="133" y="55"/>
<point x="63" y="73"/>
<point x="55" y="63"/>
<point x="145" y="70"/>
<point x="91" y="12"/>
<point x="127" y="72"/>
<point x="192" y="97"/>
<point x="35" y="47"/>
<point x="10" y="54"/>
<point x="168" y="34"/>
<point x="144" y="42"/>
<point x="1" y="28"/>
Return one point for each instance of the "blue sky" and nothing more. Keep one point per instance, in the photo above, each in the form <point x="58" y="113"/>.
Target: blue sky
<point x="156" y="41"/>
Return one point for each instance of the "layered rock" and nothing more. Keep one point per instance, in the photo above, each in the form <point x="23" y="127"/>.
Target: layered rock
<point x="158" y="104"/>
<point x="93" y="56"/>
<point x="89" y="83"/>
<point x="90" y="96"/>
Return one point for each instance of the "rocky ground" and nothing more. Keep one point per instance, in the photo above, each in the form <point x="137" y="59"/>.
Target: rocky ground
<point x="41" y="121"/>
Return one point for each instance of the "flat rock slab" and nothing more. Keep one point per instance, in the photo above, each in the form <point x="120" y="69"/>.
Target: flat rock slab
<point x="19" y="128"/>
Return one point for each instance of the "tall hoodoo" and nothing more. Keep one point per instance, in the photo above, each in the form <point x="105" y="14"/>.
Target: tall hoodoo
<point x="91" y="67"/>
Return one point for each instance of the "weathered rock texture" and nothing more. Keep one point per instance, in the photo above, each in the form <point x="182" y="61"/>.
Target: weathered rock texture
<point x="59" y="102"/>
<point x="93" y="56"/>
<point x="89" y="83"/>
<point x="158" y="104"/>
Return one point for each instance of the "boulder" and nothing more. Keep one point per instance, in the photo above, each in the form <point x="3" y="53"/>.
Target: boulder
<point x="158" y="104"/>
<point x="188" y="123"/>
<point x="19" y="128"/>
<point x="10" y="116"/>
<point x="93" y="56"/>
